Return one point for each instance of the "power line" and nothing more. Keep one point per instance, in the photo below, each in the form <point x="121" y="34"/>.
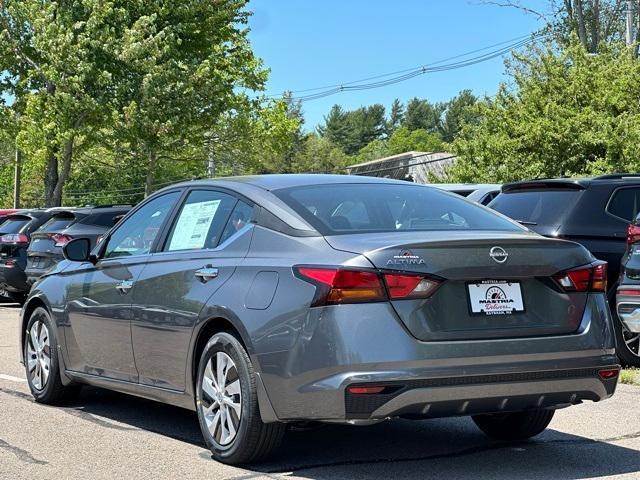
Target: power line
<point x="403" y="75"/>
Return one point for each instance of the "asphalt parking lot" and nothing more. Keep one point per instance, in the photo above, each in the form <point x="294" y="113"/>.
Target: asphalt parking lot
<point x="108" y="435"/>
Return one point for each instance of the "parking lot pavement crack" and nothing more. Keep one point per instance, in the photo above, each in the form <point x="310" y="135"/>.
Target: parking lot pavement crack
<point x="22" y="455"/>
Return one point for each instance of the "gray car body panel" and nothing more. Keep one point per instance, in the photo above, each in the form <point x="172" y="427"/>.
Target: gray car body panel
<point x="304" y="357"/>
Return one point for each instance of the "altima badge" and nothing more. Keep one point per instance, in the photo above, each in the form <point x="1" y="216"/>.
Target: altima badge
<point x="406" y="257"/>
<point x="499" y="254"/>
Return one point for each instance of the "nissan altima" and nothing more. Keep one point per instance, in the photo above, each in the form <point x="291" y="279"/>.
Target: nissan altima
<point x="264" y="301"/>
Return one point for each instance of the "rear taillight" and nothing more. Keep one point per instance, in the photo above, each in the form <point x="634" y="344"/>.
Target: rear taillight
<point x="14" y="238"/>
<point x="335" y="286"/>
<point x="339" y="285"/>
<point x="584" y="279"/>
<point x="61" y="239"/>
<point x="400" y="286"/>
<point x="633" y="234"/>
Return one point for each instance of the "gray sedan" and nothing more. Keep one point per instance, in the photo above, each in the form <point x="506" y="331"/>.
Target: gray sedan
<point x="265" y="301"/>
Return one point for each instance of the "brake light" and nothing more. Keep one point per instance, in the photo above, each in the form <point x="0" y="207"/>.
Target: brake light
<point x="585" y="279"/>
<point x="14" y="238"/>
<point x="61" y="239"/>
<point x="339" y="285"/>
<point x="633" y="234"/>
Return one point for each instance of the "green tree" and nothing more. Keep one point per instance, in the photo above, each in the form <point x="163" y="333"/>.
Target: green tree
<point x="568" y="113"/>
<point x="458" y="112"/>
<point x="422" y="114"/>
<point x="336" y="128"/>
<point x="396" y="116"/>
<point x="320" y="155"/>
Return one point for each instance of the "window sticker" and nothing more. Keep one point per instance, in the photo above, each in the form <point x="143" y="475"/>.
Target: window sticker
<point x="193" y="225"/>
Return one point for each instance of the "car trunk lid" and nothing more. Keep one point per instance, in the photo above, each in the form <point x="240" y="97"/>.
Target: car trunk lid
<point x="470" y="264"/>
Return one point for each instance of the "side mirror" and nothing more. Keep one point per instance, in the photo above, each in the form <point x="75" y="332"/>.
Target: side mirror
<point x="77" y="250"/>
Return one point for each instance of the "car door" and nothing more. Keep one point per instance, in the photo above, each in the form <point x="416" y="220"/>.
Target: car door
<point x="98" y="335"/>
<point x="210" y="234"/>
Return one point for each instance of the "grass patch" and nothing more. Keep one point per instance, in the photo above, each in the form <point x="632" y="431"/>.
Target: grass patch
<point x="630" y="376"/>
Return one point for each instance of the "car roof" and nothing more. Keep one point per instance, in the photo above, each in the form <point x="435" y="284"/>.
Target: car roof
<point x="453" y="187"/>
<point x="288" y="180"/>
<point x="577" y="183"/>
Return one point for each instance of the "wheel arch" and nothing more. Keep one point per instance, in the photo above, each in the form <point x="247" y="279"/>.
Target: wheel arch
<point x="212" y="325"/>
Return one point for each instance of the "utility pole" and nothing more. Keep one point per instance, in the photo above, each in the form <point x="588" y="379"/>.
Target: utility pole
<point x="630" y="31"/>
<point x="16" y="179"/>
<point x="211" y="159"/>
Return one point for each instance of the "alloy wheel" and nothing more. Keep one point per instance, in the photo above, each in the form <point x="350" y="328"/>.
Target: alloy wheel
<point x="221" y="398"/>
<point x="39" y="354"/>
<point x="632" y="341"/>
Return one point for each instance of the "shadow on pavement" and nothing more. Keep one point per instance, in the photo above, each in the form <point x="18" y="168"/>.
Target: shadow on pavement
<point x="445" y="448"/>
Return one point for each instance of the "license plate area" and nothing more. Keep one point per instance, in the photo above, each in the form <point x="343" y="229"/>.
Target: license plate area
<point x="495" y="297"/>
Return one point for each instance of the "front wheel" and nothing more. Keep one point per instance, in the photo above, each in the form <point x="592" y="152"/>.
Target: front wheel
<point x="227" y="404"/>
<point x="514" y="426"/>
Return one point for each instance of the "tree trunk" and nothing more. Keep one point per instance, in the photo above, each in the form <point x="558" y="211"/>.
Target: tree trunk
<point x="595" y="25"/>
<point x="50" y="176"/>
<point x="151" y="163"/>
<point x="580" y="24"/>
<point x="67" y="155"/>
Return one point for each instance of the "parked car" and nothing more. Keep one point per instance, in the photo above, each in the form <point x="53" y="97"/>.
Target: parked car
<point x="45" y="249"/>
<point x="481" y="193"/>
<point x="595" y="212"/>
<point x="628" y="295"/>
<point x="260" y="301"/>
<point x="15" y="235"/>
<point x="5" y="212"/>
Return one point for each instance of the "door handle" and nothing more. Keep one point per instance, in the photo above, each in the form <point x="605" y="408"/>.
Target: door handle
<point x="206" y="273"/>
<point x="124" y="286"/>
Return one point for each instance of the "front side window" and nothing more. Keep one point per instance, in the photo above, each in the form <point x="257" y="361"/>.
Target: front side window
<point x="358" y="208"/>
<point x="200" y="221"/>
<point x="138" y="232"/>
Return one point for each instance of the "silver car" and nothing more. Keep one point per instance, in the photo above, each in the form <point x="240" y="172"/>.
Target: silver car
<point x="269" y="300"/>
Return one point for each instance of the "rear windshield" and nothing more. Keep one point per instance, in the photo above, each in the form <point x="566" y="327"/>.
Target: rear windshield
<point x="14" y="224"/>
<point x="359" y="208"/>
<point x="57" y="223"/>
<point x="537" y="207"/>
<point x="105" y="219"/>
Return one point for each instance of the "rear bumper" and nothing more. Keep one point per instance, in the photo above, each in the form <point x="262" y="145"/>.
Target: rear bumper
<point x="481" y="394"/>
<point x="348" y="345"/>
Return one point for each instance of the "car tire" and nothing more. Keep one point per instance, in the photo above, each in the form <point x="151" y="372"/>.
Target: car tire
<point x="514" y="426"/>
<point x="229" y="417"/>
<point x="627" y="356"/>
<point x="41" y="361"/>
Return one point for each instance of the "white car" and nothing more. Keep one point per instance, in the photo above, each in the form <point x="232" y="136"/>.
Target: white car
<point x="481" y="193"/>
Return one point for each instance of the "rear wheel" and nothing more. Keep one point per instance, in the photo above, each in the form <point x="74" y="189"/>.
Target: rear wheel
<point x="41" y="360"/>
<point x="227" y="404"/>
<point x="514" y="426"/>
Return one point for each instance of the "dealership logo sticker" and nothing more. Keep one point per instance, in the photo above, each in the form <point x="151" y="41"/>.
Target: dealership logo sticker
<point x="498" y="254"/>
<point x="406" y="257"/>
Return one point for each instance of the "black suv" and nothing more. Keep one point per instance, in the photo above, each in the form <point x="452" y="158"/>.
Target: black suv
<point x="15" y="235"/>
<point x="45" y="249"/>
<point x="595" y="212"/>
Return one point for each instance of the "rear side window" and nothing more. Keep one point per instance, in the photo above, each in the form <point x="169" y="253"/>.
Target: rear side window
<point x="14" y="224"/>
<point x="240" y="217"/>
<point x="625" y="203"/>
<point x="537" y="207"/>
<point x="200" y="221"/>
<point x="358" y="208"/>
<point x="57" y="223"/>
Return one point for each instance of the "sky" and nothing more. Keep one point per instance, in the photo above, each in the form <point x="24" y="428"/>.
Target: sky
<point x="315" y="43"/>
